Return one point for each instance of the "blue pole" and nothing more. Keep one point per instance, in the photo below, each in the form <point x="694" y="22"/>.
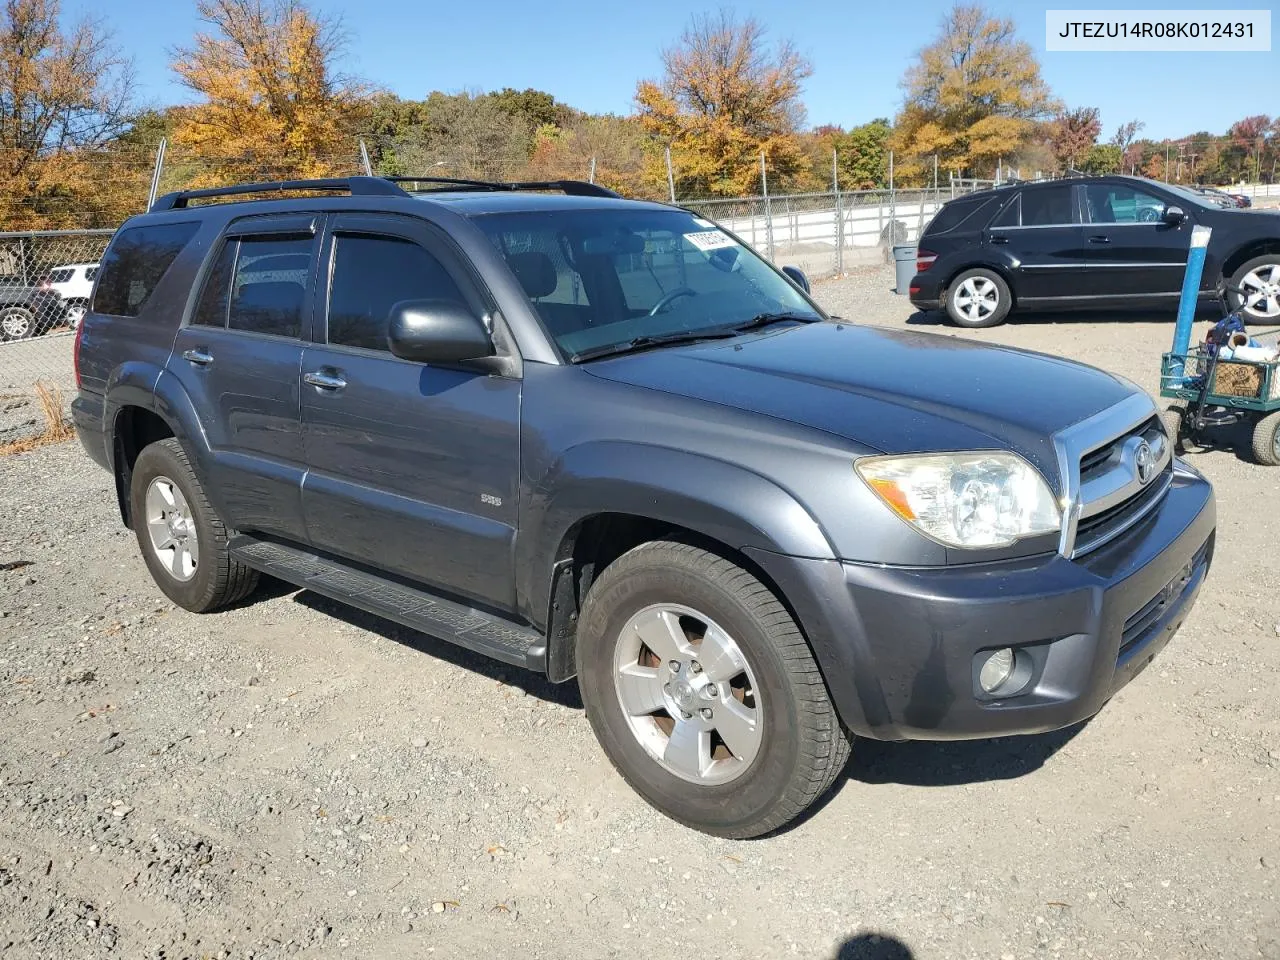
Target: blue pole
<point x="1187" y="302"/>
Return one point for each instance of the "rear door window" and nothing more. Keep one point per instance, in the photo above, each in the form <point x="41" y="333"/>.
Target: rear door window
<point x="135" y="264"/>
<point x="1048" y="206"/>
<point x="270" y="285"/>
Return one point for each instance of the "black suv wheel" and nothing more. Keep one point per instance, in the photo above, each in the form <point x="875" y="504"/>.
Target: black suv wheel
<point x="978" y="298"/>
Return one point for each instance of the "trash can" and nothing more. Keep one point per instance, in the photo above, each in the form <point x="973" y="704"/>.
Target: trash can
<point x="904" y="263"/>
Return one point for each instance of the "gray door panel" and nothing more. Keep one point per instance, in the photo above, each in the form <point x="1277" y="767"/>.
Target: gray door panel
<point x="412" y="468"/>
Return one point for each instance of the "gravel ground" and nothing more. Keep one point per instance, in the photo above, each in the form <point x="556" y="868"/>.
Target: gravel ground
<point x="292" y="778"/>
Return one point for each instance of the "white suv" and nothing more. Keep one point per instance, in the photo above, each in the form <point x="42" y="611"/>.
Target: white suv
<point x="74" y="283"/>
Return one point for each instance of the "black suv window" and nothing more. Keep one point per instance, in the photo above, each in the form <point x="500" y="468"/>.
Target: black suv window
<point x="970" y="212"/>
<point x="1047" y="206"/>
<point x="1117" y="203"/>
<point x="137" y="261"/>
<point x="258" y="285"/>
<point x="370" y="276"/>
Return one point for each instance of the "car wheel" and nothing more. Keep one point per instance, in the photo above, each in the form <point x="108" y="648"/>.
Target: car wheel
<point x="1266" y="440"/>
<point x="704" y="693"/>
<point x="978" y="298"/>
<point x="182" y="540"/>
<point x="76" y="309"/>
<point x="1259" y="278"/>
<point x="17" y="323"/>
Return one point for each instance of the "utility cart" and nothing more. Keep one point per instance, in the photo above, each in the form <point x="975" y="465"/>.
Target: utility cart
<point x="1215" y="392"/>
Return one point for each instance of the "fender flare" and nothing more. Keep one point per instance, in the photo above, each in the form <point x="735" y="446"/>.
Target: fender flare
<point x="723" y="501"/>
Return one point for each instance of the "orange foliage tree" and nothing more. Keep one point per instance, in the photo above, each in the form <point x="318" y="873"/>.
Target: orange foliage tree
<point x="725" y="96"/>
<point x="64" y="93"/>
<point x="275" y="105"/>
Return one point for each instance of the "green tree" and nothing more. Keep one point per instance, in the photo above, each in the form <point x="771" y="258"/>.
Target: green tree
<point x="972" y="96"/>
<point x="536" y="108"/>
<point x="1103" y="158"/>
<point x="863" y="155"/>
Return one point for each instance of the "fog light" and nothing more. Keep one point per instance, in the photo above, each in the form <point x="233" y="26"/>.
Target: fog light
<point x="997" y="670"/>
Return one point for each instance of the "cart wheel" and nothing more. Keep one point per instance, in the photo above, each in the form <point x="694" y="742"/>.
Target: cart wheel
<point x="1177" y="424"/>
<point x="1266" y="440"/>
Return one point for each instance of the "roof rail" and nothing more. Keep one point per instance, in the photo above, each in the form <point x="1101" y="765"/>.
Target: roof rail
<point x="356" y="186"/>
<point x="573" y="188"/>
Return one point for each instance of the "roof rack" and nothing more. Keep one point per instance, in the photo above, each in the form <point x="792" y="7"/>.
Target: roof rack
<point x="356" y="186"/>
<point x="573" y="188"/>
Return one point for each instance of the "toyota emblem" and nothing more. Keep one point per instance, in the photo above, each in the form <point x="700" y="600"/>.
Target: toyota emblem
<point x="1144" y="461"/>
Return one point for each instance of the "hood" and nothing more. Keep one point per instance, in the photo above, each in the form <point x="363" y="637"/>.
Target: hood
<point x="892" y="391"/>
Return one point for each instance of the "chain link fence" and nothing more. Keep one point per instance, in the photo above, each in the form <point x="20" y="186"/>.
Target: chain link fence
<point x="825" y="234"/>
<point x="45" y="282"/>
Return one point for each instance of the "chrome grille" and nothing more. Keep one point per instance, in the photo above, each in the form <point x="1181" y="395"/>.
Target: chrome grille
<point x="1116" y="467"/>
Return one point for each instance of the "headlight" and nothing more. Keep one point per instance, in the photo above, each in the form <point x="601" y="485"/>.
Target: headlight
<point x="965" y="499"/>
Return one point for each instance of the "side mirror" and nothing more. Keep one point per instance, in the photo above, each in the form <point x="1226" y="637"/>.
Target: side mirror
<point x="1174" y="215"/>
<point x="797" y="277"/>
<point x="437" y="331"/>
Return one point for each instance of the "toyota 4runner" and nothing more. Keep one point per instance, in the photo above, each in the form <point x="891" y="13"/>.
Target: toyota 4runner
<point x="603" y="439"/>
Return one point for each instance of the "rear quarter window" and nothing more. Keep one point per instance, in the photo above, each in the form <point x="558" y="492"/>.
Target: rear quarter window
<point x="136" y="262"/>
<point x="971" y="213"/>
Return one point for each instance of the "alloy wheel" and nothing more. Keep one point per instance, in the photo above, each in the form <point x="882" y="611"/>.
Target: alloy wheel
<point x="172" y="529"/>
<point x="1261" y="287"/>
<point x="977" y="298"/>
<point x="689" y="696"/>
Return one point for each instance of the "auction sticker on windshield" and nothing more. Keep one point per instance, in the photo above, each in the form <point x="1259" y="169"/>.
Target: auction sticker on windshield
<point x="710" y="240"/>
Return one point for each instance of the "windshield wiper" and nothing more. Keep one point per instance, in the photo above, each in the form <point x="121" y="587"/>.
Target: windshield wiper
<point x="766" y="319"/>
<point x="645" y="343"/>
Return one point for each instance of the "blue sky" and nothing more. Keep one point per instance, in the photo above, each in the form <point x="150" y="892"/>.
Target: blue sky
<point x="591" y="54"/>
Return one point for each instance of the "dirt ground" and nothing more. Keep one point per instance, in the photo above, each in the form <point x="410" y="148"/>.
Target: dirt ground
<point x="293" y="778"/>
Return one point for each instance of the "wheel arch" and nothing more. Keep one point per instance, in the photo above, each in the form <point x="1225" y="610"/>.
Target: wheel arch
<point x="1247" y="252"/>
<point x="1004" y="270"/>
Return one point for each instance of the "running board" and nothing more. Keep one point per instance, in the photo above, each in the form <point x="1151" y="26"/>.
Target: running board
<point x="482" y="632"/>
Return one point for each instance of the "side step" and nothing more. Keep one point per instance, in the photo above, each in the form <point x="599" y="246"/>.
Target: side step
<point x="484" y="633"/>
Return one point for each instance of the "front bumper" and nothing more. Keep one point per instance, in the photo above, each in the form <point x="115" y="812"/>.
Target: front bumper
<point x="898" y="646"/>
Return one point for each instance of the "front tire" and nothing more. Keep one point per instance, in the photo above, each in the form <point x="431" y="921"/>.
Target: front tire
<point x="978" y="298"/>
<point x="1260" y="279"/>
<point x="183" y="541"/>
<point x="703" y="692"/>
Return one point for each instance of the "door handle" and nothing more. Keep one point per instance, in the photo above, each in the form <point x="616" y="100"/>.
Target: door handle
<point x="324" y="381"/>
<point x="999" y="239"/>
<point x="1100" y="239"/>
<point x="198" y="357"/>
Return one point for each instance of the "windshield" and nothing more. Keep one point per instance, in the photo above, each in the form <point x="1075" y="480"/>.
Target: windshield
<point x="607" y="277"/>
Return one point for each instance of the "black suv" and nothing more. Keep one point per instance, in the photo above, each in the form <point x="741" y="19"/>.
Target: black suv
<point x="1087" y="243"/>
<point x="602" y="438"/>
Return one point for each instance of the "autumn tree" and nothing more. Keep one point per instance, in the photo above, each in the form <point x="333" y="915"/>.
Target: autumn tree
<point x="274" y="104"/>
<point x="972" y="97"/>
<point x="1073" y="133"/>
<point x="467" y="135"/>
<point x="1103" y="158"/>
<point x="64" y="93"/>
<point x="616" y="144"/>
<point x="726" y="96"/>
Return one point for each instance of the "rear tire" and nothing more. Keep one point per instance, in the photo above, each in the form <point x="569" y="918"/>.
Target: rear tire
<point x="183" y="541"/>
<point x="665" y="593"/>
<point x="1266" y="440"/>
<point x="978" y="298"/>
<point x="17" y="323"/>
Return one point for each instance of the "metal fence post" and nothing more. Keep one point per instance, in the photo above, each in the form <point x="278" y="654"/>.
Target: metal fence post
<point x="364" y="160"/>
<point x="671" y="180"/>
<point x="835" y="186"/>
<point x="591" y="176"/>
<point x="768" y="210"/>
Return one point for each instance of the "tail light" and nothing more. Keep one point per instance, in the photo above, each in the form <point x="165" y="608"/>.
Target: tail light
<point x="924" y="260"/>
<point x="75" y="350"/>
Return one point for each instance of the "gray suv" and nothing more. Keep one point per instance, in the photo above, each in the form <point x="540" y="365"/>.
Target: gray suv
<point x="603" y="439"/>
